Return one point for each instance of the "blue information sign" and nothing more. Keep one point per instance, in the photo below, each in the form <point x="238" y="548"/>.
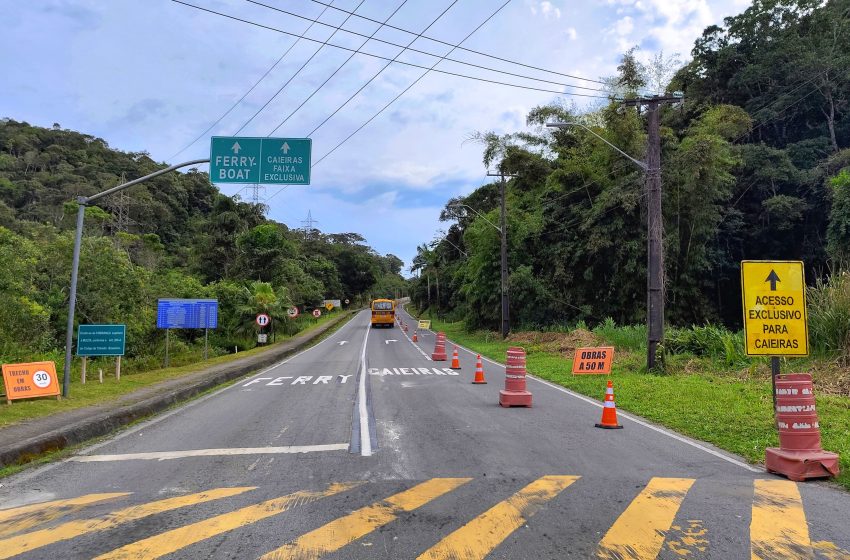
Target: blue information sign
<point x="187" y="314"/>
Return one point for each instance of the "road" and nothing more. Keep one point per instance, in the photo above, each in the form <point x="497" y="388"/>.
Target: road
<point x="362" y="447"/>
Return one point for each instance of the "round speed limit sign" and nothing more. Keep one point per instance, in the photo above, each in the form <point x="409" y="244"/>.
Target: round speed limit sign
<point x="263" y="319"/>
<point x="41" y="379"/>
<point x="317" y="313"/>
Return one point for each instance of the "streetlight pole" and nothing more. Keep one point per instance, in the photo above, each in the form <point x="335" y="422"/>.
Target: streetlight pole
<point x="82" y="202"/>
<point x="503" y="229"/>
<point x="655" y="242"/>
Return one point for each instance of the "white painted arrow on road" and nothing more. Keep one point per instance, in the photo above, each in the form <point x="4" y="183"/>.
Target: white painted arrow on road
<point x="341" y="342"/>
<point x="391" y="340"/>
<point x="236" y="147"/>
<point x="285" y="148"/>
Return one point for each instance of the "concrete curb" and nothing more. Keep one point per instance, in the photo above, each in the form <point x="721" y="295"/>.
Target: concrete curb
<point x="98" y="422"/>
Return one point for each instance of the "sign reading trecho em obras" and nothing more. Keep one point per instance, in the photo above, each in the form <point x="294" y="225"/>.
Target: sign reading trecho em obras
<point x="774" y="296"/>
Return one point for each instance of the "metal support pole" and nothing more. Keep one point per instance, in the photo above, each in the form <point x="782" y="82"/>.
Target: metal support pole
<point x="506" y="321"/>
<point x="206" y="342"/>
<point x="72" y="297"/>
<point x="655" y="252"/>
<point x="83" y="201"/>
<point x="166" y="347"/>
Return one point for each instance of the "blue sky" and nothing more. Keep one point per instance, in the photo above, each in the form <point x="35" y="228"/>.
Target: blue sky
<point x="151" y="75"/>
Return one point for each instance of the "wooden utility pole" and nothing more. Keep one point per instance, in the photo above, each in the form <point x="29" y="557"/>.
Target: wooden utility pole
<point x="503" y="230"/>
<point x="655" y="227"/>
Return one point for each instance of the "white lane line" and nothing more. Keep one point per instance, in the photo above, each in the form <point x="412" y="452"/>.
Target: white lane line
<point x="627" y="416"/>
<point x="365" y="439"/>
<point x="37" y="472"/>
<point x="166" y="455"/>
<point x="410" y="340"/>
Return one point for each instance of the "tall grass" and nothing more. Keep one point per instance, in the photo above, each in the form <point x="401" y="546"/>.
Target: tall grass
<point x="829" y="316"/>
<point x="628" y="337"/>
<point x="709" y="340"/>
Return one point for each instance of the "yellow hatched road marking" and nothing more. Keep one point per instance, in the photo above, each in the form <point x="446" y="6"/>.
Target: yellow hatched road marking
<point x="36" y="539"/>
<point x="171" y="541"/>
<point x="778" y="528"/>
<point x="15" y="520"/>
<point x="340" y="532"/>
<point x="639" y="532"/>
<point x="480" y="536"/>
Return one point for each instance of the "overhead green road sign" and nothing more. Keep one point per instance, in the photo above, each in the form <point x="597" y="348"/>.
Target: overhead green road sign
<point x="270" y="161"/>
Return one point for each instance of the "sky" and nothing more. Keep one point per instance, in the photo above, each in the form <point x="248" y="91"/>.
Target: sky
<point x="154" y="75"/>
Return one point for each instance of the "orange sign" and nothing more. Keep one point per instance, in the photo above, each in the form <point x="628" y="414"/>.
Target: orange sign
<point x="25" y="381"/>
<point x="593" y="360"/>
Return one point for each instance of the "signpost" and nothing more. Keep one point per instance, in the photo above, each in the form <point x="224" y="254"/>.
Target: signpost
<point x="775" y="323"/>
<point x="271" y="161"/>
<point x="292" y="312"/>
<point x="29" y="380"/>
<point x="187" y="314"/>
<point x="593" y="360"/>
<point x="317" y="313"/>
<point x="101" y="340"/>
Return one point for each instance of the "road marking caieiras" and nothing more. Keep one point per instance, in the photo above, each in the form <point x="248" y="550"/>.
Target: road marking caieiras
<point x="411" y="371"/>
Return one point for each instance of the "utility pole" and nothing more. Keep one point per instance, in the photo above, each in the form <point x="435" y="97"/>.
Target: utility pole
<point x="308" y="225"/>
<point x="506" y="321"/>
<point x="655" y="227"/>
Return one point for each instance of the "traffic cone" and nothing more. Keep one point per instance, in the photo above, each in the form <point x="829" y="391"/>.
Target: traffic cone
<point x="609" y="410"/>
<point x="479" y="372"/>
<point x="455" y="360"/>
<point x="414" y="336"/>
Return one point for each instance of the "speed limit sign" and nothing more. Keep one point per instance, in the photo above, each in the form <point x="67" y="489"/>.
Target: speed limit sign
<point x="263" y="319"/>
<point x="292" y="312"/>
<point x="317" y="313"/>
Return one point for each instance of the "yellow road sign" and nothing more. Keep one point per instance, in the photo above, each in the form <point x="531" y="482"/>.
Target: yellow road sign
<point x="774" y="295"/>
<point x="329" y="306"/>
<point x="423" y="324"/>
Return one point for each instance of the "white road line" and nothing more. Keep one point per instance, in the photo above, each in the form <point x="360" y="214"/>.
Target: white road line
<point x="626" y="415"/>
<point x="166" y="455"/>
<point x="37" y="472"/>
<point x="421" y="351"/>
<point x="365" y="438"/>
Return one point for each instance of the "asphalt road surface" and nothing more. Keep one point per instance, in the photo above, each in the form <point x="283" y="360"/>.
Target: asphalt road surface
<point x="362" y="447"/>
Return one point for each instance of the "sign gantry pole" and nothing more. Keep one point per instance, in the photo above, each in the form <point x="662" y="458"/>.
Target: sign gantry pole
<point x="83" y="202"/>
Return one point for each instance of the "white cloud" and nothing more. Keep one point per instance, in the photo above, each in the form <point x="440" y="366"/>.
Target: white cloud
<point x="545" y="8"/>
<point x="624" y="26"/>
<point x="572" y="33"/>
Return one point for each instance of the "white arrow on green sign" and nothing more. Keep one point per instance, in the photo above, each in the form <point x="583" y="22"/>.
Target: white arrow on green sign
<point x="270" y="161"/>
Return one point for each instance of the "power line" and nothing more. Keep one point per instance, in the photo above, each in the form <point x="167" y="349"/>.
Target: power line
<point x="241" y="99"/>
<point x="411" y="49"/>
<point x="340" y="67"/>
<point x="467" y="49"/>
<point x="518" y="86"/>
<point x="373" y="117"/>
<point x="312" y="56"/>
<point x="379" y="72"/>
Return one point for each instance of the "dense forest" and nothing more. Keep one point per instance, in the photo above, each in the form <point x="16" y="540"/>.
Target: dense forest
<point x="173" y="236"/>
<point x="755" y="165"/>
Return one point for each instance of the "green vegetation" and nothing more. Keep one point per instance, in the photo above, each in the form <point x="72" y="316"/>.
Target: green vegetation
<point x="94" y="392"/>
<point x="755" y="165"/>
<point x="702" y="395"/>
<point x="175" y="236"/>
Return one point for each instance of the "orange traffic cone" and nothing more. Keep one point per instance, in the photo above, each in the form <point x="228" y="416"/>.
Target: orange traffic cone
<point x="455" y="360"/>
<point x="609" y="410"/>
<point x="479" y="372"/>
<point x="414" y="336"/>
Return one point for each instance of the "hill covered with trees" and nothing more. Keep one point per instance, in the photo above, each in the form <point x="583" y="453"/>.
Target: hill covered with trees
<point x="755" y="165"/>
<point x="173" y="236"/>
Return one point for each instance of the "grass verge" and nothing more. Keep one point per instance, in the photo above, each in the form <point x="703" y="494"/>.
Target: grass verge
<point x="94" y="392"/>
<point x="698" y="397"/>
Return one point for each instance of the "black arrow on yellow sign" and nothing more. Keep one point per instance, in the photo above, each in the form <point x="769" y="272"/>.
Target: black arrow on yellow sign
<point x="773" y="278"/>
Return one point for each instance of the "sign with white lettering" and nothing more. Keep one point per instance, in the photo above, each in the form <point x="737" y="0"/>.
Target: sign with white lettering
<point x="774" y="296"/>
<point x="270" y="161"/>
